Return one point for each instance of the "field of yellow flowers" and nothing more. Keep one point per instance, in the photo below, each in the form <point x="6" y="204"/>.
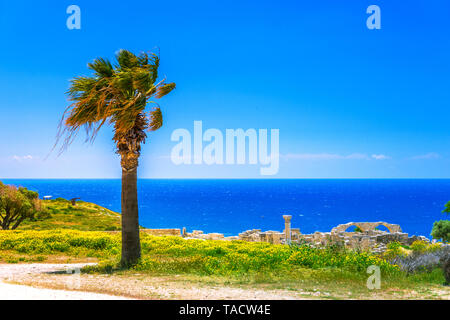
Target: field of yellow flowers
<point x="177" y="255"/>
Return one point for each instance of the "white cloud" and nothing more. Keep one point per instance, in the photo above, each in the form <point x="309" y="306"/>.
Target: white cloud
<point x="358" y="156"/>
<point x="380" y="157"/>
<point x="22" y="158"/>
<point x="428" y="156"/>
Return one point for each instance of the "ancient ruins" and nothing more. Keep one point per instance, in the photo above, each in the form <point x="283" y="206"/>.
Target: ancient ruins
<point x="366" y="236"/>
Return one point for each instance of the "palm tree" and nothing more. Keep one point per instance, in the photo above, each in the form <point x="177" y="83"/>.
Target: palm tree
<point x="118" y="95"/>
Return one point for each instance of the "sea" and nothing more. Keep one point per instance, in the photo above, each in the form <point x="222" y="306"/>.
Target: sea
<point x="233" y="206"/>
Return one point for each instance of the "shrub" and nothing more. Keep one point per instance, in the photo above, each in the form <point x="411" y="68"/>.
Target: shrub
<point x="441" y="230"/>
<point x="16" y="205"/>
<point x="419" y="246"/>
<point x="394" y="245"/>
<point x="394" y="250"/>
<point x="425" y="260"/>
<point x="434" y="247"/>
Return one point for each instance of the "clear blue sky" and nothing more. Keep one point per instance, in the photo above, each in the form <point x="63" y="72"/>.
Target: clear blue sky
<point x="349" y="102"/>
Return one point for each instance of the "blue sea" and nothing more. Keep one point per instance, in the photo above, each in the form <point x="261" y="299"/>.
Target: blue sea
<point x="233" y="206"/>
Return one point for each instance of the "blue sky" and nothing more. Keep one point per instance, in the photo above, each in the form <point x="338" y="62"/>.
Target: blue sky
<point x="349" y="102"/>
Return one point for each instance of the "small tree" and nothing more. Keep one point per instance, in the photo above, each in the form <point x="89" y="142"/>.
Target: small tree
<point x="441" y="229"/>
<point x="16" y="205"/>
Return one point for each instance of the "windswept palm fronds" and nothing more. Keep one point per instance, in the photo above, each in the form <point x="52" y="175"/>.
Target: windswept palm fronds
<point x="115" y="94"/>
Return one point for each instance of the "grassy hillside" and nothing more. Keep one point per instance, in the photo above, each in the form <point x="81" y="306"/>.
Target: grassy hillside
<point x="84" y="216"/>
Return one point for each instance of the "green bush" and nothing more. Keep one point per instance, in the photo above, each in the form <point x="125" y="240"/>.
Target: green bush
<point x="441" y="230"/>
<point x="394" y="250"/>
<point x="419" y="246"/>
<point x="394" y="245"/>
<point x="17" y="205"/>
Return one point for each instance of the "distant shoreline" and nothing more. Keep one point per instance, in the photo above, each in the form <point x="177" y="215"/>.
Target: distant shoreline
<point x="231" y="206"/>
<point x="238" y="179"/>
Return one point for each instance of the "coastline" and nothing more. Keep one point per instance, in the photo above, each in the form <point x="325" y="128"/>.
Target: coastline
<point x="233" y="206"/>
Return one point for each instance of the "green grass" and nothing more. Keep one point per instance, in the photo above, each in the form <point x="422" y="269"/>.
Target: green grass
<point x="177" y="255"/>
<point x="339" y="272"/>
<point x="174" y="255"/>
<point x="84" y="216"/>
<point x="66" y="233"/>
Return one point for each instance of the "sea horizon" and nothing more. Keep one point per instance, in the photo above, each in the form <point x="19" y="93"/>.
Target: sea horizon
<point x="17" y="179"/>
<point x="231" y="206"/>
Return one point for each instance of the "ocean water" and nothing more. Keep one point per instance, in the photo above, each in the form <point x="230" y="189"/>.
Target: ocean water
<point x="233" y="206"/>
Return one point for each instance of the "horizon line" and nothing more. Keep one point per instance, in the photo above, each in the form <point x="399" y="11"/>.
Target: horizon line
<point x="366" y="178"/>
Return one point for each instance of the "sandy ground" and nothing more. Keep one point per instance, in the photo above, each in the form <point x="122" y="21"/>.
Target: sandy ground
<point x="20" y="292"/>
<point x="53" y="281"/>
<point x="11" y="273"/>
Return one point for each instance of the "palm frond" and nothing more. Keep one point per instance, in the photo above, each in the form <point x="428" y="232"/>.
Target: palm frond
<point x="115" y="95"/>
<point x="126" y="59"/>
<point x="164" y="89"/>
<point x="156" y="119"/>
<point x="102" y="67"/>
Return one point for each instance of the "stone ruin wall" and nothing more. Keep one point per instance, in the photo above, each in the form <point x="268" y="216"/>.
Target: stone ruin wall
<point x="367" y="226"/>
<point x="368" y="239"/>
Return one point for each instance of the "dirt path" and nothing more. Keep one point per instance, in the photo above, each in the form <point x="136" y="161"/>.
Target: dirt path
<point x="51" y="281"/>
<point x="13" y="272"/>
<point x="21" y="292"/>
<point x="156" y="287"/>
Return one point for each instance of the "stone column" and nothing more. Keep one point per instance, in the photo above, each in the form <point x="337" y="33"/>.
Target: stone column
<point x="287" y="228"/>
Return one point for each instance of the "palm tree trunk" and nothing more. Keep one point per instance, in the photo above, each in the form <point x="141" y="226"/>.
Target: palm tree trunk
<point x="131" y="246"/>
